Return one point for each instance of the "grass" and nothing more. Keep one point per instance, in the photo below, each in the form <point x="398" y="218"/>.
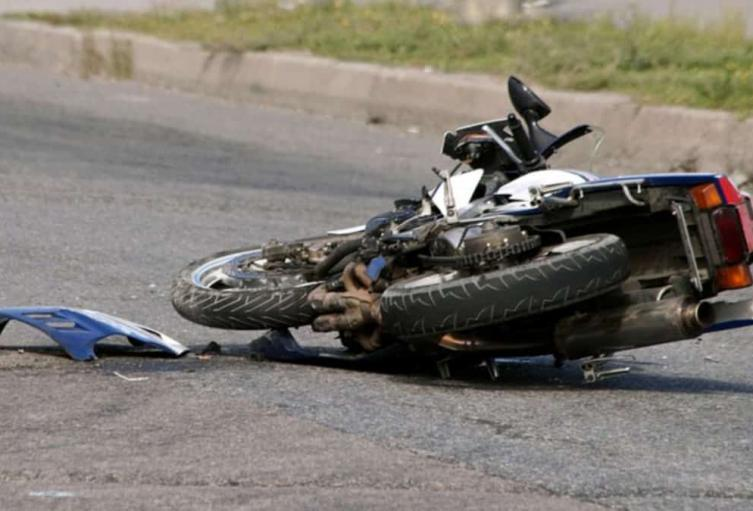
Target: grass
<point x="671" y="62"/>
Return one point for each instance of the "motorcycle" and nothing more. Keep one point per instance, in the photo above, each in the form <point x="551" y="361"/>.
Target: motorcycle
<point x="505" y="257"/>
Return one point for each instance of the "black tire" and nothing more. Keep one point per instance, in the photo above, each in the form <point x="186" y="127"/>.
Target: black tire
<point x="240" y="308"/>
<point x="577" y="270"/>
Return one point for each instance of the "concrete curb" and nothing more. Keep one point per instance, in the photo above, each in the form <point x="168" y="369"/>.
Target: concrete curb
<point x="651" y="138"/>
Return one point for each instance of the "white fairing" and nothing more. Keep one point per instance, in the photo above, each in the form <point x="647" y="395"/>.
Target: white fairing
<point x="463" y="186"/>
<point x="348" y="230"/>
<point x="518" y="189"/>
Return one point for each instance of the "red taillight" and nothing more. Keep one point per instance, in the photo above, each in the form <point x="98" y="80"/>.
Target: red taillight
<point x="730" y="234"/>
<point x="746" y="223"/>
<point x="730" y="191"/>
<point x="733" y="223"/>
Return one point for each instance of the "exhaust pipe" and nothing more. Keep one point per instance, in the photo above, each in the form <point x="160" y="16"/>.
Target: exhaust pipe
<point x="633" y="326"/>
<point x="488" y="342"/>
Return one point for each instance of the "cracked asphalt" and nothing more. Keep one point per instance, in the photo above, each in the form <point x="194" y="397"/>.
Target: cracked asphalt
<point x="107" y="189"/>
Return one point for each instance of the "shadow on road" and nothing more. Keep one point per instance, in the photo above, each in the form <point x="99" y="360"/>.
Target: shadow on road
<point x="525" y="374"/>
<point x="537" y="376"/>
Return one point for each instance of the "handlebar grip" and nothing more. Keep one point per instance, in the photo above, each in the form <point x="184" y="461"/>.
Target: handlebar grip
<point x="521" y="139"/>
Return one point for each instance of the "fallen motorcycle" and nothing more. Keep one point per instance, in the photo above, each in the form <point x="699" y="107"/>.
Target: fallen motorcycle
<point x="506" y="257"/>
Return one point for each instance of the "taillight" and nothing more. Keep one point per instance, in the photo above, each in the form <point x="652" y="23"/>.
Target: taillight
<point x="733" y="277"/>
<point x="706" y="196"/>
<point x="733" y="224"/>
<point x="729" y="191"/>
<point x="730" y="235"/>
<point x="712" y="195"/>
<point x="746" y="221"/>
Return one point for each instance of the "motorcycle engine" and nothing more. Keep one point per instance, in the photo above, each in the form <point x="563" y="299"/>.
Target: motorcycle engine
<point x="481" y="244"/>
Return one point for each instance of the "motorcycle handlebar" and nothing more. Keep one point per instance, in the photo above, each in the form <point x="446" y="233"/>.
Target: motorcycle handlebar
<point x="522" y="140"/>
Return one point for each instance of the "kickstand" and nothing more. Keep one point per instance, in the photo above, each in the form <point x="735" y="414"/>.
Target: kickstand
<point x="281" y="346"/>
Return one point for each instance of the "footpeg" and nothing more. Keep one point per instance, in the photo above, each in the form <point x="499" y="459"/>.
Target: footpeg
<point x="595" y="369"/>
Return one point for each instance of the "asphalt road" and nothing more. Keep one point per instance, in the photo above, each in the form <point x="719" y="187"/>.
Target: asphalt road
<point x="107" y="189"/>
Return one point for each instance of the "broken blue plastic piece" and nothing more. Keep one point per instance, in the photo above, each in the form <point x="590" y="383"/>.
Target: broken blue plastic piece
<point x="375" y="267"/>
<point x="281" y="346"/>
<point x="77" y="330"/>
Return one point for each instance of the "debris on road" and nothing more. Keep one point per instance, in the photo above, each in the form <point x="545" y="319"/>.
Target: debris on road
<point x="280" y="346"/>
<point x="52" y="494"/>
<point x="130" y="378"/>
<point x="210" y="350"/>
<point x="78" y="330"/>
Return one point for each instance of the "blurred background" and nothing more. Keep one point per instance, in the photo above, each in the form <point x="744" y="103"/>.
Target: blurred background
<point x="475" y="10"/>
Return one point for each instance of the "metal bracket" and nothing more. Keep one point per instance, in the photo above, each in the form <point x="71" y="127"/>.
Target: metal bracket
<point x="504" y="145"/>
<point x="687" y="244"/>
<point x="449" y="198"/>
<point x="629" y="195"/>
<point x="541" y="196"/>
<point x="594" y="369"/>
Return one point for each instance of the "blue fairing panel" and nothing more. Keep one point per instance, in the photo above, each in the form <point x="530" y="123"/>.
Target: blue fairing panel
<point x="78" y="330"/>
<point x="664" y="179"/>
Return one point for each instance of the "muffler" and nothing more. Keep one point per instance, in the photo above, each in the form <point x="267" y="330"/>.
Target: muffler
<point x="633" y="326"/>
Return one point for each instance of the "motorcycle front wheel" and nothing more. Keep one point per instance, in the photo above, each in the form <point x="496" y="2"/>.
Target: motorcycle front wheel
<point x="238" y="290"/>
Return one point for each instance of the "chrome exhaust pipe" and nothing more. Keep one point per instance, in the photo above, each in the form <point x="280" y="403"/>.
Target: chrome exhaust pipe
<point x="633" y="326"/>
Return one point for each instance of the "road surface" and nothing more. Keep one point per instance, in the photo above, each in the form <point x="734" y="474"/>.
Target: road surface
<point x="107" y="189"/>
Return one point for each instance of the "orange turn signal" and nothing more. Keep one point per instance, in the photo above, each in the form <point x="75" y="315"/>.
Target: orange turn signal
<point x="733" y="277"/>
<point x="706" y="196"/>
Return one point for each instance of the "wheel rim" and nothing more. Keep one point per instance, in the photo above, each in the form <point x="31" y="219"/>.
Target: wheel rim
<point x="428" y="279"/>
<point x="244" y="269"/>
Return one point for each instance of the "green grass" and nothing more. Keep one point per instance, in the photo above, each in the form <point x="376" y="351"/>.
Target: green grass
<point x="670" y="62"/>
